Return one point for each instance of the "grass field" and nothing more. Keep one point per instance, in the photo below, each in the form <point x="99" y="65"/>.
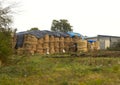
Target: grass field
<point x="38" y="70"/>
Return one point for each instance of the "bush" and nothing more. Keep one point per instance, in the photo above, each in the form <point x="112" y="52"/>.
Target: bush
<point x="5" y="46"/>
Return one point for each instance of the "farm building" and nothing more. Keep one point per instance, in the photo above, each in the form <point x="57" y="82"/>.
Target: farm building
<point x="47" y="42"/>
<point x="104" y="40"/>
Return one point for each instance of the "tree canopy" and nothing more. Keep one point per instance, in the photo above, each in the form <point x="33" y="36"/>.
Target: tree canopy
<point x="5" y="32"/>
<point x="34" y="28"/>
<point x="61" y="25"/>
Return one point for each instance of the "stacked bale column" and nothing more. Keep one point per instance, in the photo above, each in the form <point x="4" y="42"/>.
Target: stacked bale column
<point x="46" y="44"/>
<point x="62" y="45"/>
<point x="67" y="43"/>
<point x="51" y="45"/>
<point x="30" y="42"/>
<point x="74" y="46"/>
<point x="39" y="48"/>
<point x="82" y="46"/>
<point x="56" y="44"/>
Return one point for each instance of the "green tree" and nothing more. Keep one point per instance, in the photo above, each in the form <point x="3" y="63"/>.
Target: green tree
<point x="62" y="25"/>
<point x="5" y="33"/>
<point x="34" y="28"/>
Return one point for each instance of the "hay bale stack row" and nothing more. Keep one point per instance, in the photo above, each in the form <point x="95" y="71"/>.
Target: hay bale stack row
<point x="53" y="44"/>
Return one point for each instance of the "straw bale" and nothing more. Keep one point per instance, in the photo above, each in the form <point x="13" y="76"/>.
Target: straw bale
<point x="40" y="40"/>
<point x="66" y="44"/>
<point x="84" y="49"/>
<point x="51" y="39"/>
<point x="76" y="39"/>
<point x="46" y="51"/>
<point x="72" y="40"/>
<point x="62" y="44"/>
<point x="57" y="50"/>
<point x="82" y="43"/>
<point x="62" y="50"/>
<point x="46" y="38"/>
<point x="56" y="39"/>
<point x="45" y="45"/>
<point x="34" y="47"/>
<point x="30" y="42"/>
<point x="40" y="51"/>
<point x="52" y="50"/>
<point x="61" y="39"/>
<point x="56" y="45"/>
<point x="67" y="49"/>
<point x="39" y="46"/>
<point x="67" y="39"/>
<point x="51" y="44"/>
<point x="29" y="37"/>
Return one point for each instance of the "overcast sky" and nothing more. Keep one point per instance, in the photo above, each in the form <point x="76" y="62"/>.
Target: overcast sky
<point x="88" y="17"/>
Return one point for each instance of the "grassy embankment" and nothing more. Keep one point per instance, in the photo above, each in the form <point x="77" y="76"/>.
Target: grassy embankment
<point x="38" y="70"/>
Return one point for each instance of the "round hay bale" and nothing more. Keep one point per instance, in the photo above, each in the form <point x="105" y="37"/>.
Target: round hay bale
<point x="51" y="39"/>
<point x="46" y="38"/>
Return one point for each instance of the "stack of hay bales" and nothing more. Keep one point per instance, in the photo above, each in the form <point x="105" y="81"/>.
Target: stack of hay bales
<point x="82" y="46"/>
<point x="67" y="43"/>
<point x="46" y="44"/>
<point x="51" y="44"/>
<point x="39" y="47"/>
<point x="56" y="44"/>
<point x="30" y="42"/>
<point x="62" y="45"/>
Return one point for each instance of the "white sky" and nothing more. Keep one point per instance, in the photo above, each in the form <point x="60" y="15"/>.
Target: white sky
<point x="88" y="17"/>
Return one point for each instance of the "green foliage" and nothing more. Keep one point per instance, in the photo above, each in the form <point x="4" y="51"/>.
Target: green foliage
<point x="5" y="33"/>
<point x="61" y="25"/>
<point x="34" y="28"/>
<point x="5" y="46"/>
